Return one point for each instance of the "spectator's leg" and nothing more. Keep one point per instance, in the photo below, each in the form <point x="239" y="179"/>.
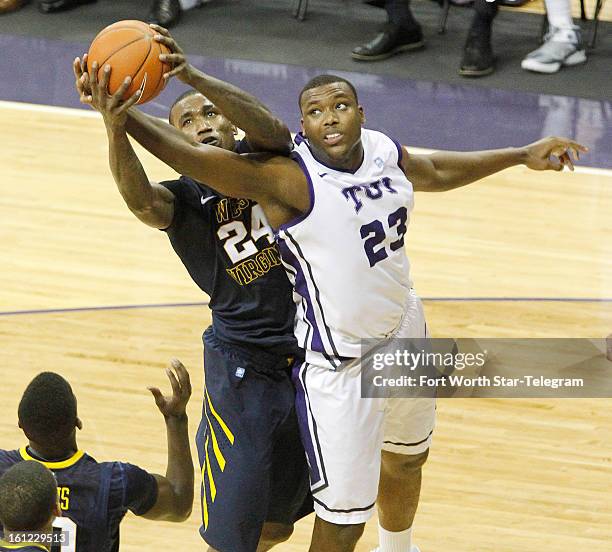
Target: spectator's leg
<point x="562" y="44"/>
<point x="168" y="12"/>
<point x="400" y="34"/>
<point x="478" y="57"/>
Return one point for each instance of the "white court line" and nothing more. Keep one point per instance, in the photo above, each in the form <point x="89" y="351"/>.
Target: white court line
<point x="90" y="113"/>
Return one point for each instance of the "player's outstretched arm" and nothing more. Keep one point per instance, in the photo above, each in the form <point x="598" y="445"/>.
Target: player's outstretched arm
<point x="444" y="171"/>
<point x="151" y="203"/>
<point x="175" y="490"/>
<point x="263" y="130"/>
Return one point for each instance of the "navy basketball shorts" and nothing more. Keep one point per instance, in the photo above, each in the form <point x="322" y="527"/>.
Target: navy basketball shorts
<point x="252" y="461"/>
<point x="344" y="434"/>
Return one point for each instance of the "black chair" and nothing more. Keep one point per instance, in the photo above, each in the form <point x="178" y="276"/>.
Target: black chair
<point x="300" y="10"/>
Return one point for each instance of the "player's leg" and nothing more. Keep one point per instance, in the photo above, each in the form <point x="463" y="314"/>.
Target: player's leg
<point x="290" y="498"/>
<point x="408" y="430"/>
<point x="342" y="436"/>
<point x="235" y="443"/>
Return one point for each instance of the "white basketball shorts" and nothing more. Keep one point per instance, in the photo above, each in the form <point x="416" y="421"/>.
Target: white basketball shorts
<point x="343" y="434"/>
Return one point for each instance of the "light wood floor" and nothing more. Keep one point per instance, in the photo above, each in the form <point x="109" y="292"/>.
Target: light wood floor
<point x="503" y="475"/>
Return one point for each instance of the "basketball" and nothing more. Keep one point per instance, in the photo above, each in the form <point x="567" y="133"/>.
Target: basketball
<point x="128" y="47"/>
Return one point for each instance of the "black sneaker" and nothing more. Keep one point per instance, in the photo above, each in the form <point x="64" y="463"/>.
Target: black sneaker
<point x="478" y="59"/>
<point x="165" y="13"/>
<point x="389" y="41"/>
<point x="52" y="6"/>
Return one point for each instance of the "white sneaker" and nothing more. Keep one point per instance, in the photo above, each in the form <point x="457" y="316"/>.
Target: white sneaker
<point x="561" y="47"/>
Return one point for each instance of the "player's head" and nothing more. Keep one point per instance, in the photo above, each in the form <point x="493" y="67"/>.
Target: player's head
<point x="196" y="116"/>
<point x="332" y="119"/>
<point x="28" y="497"/>
<point x="48" y="412"/>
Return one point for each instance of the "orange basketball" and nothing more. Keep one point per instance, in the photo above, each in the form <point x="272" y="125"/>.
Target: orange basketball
<point x="128" y="47"/>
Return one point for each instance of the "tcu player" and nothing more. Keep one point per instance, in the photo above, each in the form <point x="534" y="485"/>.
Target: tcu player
<point x="341" y="207"/>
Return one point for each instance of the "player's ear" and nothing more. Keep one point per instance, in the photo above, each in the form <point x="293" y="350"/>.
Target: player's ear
<point x="302" y="126"/>
<point x="57" y="511"/>
<point x="79" y="423"/>
<point x="361" y="114"/>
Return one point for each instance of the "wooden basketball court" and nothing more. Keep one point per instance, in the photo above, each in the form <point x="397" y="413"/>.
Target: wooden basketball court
<point x="503" y="475"/>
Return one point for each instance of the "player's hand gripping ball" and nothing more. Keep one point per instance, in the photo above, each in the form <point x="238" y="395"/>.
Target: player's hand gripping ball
<point x="131" y="51"/>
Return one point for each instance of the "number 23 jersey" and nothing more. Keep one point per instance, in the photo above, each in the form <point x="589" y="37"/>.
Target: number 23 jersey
<point x="346" y="255"/>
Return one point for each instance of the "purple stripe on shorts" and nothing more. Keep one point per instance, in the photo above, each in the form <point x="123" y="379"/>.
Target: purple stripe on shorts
<point x="302" y="416"/>
<point x="302" y="289"/>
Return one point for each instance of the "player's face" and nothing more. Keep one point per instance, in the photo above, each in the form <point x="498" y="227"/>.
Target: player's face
<point x="331" y="120"/>
<point x="200" y="119"/>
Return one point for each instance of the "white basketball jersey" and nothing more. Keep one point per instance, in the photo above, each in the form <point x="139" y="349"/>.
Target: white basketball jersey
<point x="346" y="256"/>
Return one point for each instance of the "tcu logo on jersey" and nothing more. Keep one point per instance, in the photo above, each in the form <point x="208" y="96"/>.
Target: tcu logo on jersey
<point x="374" y="191"/>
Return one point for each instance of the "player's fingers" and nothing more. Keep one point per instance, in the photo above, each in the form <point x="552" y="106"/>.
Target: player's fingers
<point x="77" y="69"/>
<point x="172" y="58"/>
<point x="93" y="76"/>
<point x="176" y="386"/>
<point x="159" y="29"/>
<point x="117" y="97"/>
<point x="183" y="376"/>
<point x="133" y="99"/>
<point x="103" y="84"/>
<point x="84" y="61"/>
<point x="567" y="161"/>
<point x="167" y="40"/>
<point x="173" y="72"/>
<point x="157" y="395"/>
<point x="554" y="164"/>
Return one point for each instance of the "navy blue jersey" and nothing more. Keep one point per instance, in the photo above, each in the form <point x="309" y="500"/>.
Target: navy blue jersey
<point x="229" y="252"/>
<point x="94" y="495"/>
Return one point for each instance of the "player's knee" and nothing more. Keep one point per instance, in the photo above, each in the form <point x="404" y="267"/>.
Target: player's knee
<point x="275" y="533"/>
<point x="400" y="464"/>
<point x="343" y="537"/>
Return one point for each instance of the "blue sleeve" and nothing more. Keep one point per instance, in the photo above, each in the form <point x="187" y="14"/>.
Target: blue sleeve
<point x="188" y="198"/>
<point x="132" y="488"/>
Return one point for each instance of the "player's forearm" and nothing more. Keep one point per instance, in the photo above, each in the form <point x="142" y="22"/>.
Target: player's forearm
<point x="456" y="169"/>
<point x="224" y="171"/>
<point x="244" y="110"/>
<point x="129" y="175"/>
<point x="179" y="472"/>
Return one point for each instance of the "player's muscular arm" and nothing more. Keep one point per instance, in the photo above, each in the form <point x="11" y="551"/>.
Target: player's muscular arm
<point x="151" y="203"/>
<point x="175" y="490"/>
<point x="263" y="130"/>
<point x="444" y="171"/>
<point x="268" y="179"/>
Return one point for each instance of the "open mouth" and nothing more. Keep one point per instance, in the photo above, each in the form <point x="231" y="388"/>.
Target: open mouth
<point x="210" y="141"/>
<point x="333" y="138"/>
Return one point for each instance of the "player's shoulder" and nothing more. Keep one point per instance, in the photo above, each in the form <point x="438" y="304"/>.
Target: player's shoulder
<point x="8" y="458"/>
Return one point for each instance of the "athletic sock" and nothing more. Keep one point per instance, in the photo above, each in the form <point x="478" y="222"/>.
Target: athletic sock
<point x="392" y="541"/>
<point x="560" y="14"/>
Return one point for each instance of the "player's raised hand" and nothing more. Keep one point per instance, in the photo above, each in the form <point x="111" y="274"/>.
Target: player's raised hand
<point x="176" y="404"/>
<point x="112" y="107"/>
<point x="79" y="68"/>
<point x="553" y="153"/>
<point x="177" y="59"/>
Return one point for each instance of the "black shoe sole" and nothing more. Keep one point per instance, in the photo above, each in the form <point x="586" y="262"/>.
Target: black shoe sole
<point x="476" y="72"/>
<point x="394" y="51"/>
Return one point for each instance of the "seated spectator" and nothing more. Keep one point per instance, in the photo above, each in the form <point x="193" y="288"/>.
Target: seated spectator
<point x="28" y="504"/>
<point x="400" y="34"/>
<point x="95" y="496"/>
<point x="562" y="44"/>
<point x="168" y="12"/>
<point x="52" y="6"/>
